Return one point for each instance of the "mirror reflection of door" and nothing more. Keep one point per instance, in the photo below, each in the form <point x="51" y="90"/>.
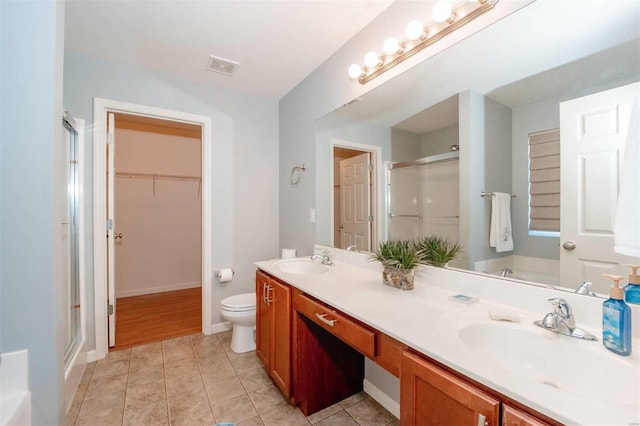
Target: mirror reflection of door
<point x="593" y="134"/>
<point x="352" y="199"/>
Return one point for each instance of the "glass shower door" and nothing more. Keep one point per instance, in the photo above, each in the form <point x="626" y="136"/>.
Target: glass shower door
<point x="70" y="241"/>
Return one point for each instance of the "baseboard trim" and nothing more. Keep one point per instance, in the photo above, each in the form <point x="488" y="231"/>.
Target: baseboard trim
<point x="220" y="327"/>
<point x="151" y="290"/>
<point x="382" y="398"/>
<point x="91" y="356"/>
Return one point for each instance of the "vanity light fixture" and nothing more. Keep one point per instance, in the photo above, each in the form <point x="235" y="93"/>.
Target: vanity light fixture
<point x="446" y="19"/>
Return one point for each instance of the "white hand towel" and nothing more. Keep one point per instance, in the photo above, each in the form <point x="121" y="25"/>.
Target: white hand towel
<point x="627" y="226"/>
<point x="500" y="232"/>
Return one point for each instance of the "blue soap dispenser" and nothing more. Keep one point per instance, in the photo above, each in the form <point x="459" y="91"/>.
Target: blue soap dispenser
<point x="632" y="290"/>
<point x="616" y="320"/>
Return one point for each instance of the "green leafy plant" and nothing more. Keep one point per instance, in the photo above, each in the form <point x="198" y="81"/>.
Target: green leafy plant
<point x="396" y="254"/>
<point x="436" y="251"/>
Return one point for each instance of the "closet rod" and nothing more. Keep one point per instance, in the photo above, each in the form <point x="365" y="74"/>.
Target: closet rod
<point x="157" y="176"/>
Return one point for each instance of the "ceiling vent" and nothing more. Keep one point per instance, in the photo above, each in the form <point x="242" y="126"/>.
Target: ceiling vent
<point x="222" y="66"/>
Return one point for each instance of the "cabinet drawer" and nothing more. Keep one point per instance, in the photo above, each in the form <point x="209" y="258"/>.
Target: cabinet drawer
<point x="347" y="330"/>
<point x="389" y="353"/>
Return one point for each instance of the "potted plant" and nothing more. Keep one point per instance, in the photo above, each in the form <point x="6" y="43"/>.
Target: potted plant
<point x="399" y="259"/>
<point x="436" y="250"/>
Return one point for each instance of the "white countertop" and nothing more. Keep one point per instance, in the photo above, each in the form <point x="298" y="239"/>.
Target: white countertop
<point x="425" y="319"/>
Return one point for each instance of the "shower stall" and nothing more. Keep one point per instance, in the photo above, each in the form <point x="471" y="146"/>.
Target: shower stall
<point x="423" y="197"/>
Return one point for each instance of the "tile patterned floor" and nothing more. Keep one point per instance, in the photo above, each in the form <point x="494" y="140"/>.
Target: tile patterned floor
<point x="198" y="380"/>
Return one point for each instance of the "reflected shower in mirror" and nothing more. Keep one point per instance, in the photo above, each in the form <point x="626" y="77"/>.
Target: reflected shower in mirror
<point x="496" y="98"/>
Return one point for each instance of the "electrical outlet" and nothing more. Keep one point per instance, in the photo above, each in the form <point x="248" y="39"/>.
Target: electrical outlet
<point x="312" y="215"/>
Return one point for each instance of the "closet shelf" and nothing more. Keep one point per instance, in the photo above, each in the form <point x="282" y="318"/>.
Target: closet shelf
<point x="157" y="176"/>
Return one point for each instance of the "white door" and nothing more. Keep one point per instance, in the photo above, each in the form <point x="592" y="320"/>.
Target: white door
<point x="111" y="234"/>
<point x="355" y="203"/>
<point x="593" y="133"/>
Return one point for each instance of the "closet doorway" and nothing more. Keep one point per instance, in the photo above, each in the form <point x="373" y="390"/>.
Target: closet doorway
<point x="151" y="185"/>
<point x="157" y="219"/>
<point x="354" y="194"/>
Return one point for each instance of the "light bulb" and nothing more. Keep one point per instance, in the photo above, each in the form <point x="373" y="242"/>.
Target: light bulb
<point x="355" y="71"/>
<point x="441" y="11"/>
<point x="414" y="30"/>
<point x="371" y="59"/>
<point x="391" y="46"/>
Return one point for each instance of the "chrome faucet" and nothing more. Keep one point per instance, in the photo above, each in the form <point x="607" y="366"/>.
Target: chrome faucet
<point x="561" y="321"/>
<point x="352" y="248"/>
<point x="585" y="288"/>
<point x="325" y="256"/>
<point x="506" y="271"/>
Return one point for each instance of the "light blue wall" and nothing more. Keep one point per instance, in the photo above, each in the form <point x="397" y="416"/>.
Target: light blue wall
<point x="439" y="141"/>
<point x="245" y="161"/>
<point x="405" y="146"/>
<point x="32" y="39"/>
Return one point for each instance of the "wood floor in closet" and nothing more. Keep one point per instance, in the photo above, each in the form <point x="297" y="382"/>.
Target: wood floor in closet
<point x="158" y="316"/>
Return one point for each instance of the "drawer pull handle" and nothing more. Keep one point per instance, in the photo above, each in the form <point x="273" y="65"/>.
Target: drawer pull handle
<point x="482" y="420"/>
<point x="323" y="318"/>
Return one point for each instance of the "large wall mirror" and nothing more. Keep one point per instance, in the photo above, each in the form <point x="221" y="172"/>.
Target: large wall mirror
<point x="491" y="114"/>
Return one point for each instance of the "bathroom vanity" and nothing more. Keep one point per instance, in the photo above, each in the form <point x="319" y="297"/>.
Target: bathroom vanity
<point x="315" y="329"/>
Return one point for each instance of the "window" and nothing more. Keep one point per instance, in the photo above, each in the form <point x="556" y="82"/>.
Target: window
<point x="544" y="183"/>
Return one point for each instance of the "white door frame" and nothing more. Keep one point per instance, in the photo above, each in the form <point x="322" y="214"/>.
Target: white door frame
<point x="377" y="177"/>
<point x="100" y="109"/>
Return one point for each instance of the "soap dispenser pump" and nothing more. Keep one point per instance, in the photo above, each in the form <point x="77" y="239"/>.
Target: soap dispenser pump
<point x="616" y="320"/>
<point x="632" y="290"/>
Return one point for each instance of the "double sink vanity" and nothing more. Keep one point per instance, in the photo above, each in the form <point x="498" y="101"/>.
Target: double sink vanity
<point x="455" y="364"/>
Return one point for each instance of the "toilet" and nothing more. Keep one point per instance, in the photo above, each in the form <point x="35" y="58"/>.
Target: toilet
<point x="240" y="310"/>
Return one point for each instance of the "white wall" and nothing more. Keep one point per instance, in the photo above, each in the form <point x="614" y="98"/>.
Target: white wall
<point x="245" y="160"/>
<point x="161" y="221"/>
<point x="31" y="285"/>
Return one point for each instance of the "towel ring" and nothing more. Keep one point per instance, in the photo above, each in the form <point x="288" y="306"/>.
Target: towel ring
<point x="296" y="174"/>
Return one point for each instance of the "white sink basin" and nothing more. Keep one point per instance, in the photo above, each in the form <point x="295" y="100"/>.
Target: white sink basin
<point x="579" y="367"/>
<point x="301" y="266"/>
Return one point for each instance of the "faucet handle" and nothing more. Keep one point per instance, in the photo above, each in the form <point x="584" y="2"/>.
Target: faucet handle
<point x="560" y="306"/>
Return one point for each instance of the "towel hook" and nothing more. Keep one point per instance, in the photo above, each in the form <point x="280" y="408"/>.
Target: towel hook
<point x="296" y="174"/>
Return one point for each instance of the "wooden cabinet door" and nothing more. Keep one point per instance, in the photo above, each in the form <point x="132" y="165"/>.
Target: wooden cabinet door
<point x="263" y="320"/>
<point x="280" y="364"/>
<point x="514" y="417"/>
<point x="431" y="396"/>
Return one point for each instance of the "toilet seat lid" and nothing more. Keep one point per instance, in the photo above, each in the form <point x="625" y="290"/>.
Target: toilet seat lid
<point x="240" y="301"/>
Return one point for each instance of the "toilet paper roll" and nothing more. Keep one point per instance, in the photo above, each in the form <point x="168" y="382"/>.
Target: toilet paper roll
<point x="226" y="274"/>
<point x="288" y="253"/>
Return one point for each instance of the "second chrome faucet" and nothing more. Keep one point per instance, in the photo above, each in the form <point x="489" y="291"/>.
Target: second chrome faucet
<point x="325" y="256"/>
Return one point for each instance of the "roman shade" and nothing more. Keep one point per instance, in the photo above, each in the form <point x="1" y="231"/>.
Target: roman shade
<point x="544" y="181"/>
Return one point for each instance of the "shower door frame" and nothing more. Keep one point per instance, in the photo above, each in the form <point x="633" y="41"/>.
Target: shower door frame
<point x="74" y="369"/>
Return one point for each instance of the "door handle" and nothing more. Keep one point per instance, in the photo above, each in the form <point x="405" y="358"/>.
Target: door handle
<point x="264" y="293"/>
<point x="341" y="226"/>
<point x="117" y="236"/>
<point x="569" y="245"/>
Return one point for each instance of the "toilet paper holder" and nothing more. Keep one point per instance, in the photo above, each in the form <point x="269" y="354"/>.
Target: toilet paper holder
<point x="217" y="274"/>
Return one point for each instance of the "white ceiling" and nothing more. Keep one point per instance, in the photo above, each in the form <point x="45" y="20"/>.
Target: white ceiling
<point x="277" y="43"/>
